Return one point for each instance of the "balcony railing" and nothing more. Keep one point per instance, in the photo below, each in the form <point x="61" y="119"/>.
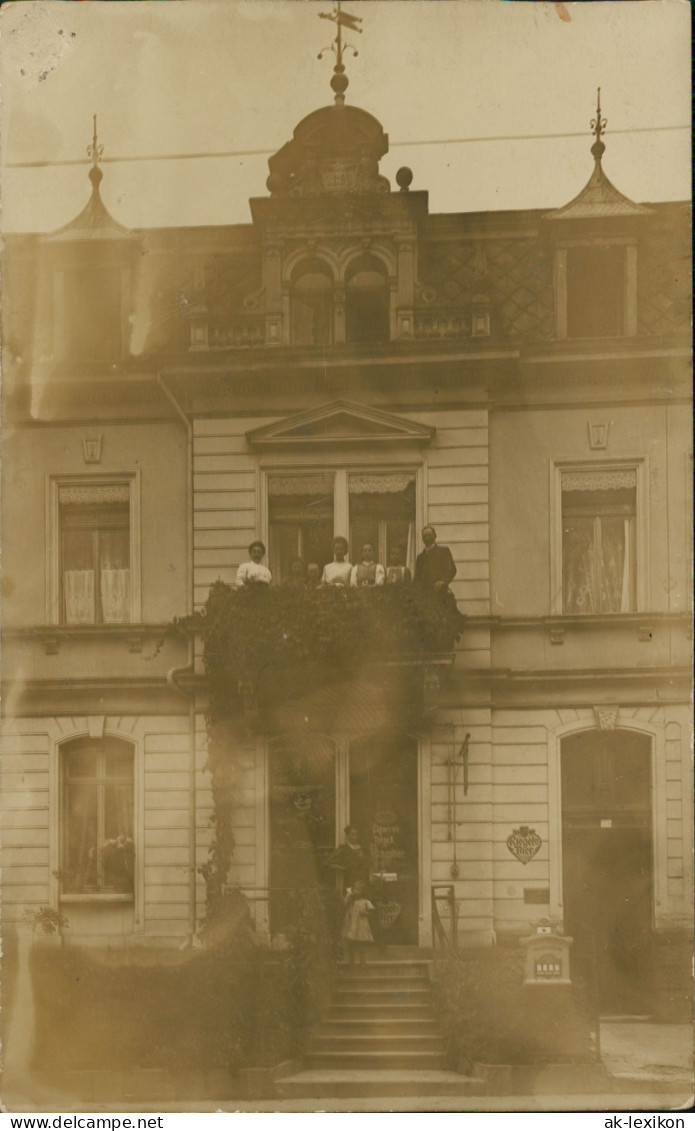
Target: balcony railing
<point x="244" y="332"/>
<point x="442" y="323"/>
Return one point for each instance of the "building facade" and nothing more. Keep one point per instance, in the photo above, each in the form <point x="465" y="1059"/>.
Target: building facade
<point x="349" y="364"/>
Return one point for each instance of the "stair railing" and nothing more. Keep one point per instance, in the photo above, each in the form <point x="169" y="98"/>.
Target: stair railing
<point x="444" y="926"/>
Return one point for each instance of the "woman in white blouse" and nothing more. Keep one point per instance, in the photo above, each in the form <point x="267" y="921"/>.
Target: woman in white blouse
<point x="337" y="572"/>
<point x="254" y="572"/>
<point x="369" y="571"/>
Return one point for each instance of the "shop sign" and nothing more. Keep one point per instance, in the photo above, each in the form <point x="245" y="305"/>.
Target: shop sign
<point x="524" y="843"/>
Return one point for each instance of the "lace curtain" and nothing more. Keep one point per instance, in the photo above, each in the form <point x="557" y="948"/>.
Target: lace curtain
<point x="110" y="548"/>
<point x="79" y="596"/>
<point x="597" y="565"/>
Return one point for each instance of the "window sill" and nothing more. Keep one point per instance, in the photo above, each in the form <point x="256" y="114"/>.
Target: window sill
<point x="52" y="636"/>
<point x="98" y="897"/>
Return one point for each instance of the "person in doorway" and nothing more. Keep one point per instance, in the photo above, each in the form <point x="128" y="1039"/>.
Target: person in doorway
<point x="351" y="859"/>
<point x="369" y="571"/>
<point x="434" y="568"/>
<point x="357" y="931"/>
<point x="253" y="573"/>
<point x="297" y="575"/>
<point x="313" y="575"/>
<point x="337" y="572"/>
<point x="396" y="572"/>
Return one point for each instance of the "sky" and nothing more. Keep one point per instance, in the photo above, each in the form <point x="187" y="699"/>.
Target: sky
<point x="218" y="76"/>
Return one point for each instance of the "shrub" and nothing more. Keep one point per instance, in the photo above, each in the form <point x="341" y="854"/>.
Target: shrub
<point x="490" y="1016"/>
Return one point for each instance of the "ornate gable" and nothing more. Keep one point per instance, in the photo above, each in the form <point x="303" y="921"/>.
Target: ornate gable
<point x="340" y="423"/>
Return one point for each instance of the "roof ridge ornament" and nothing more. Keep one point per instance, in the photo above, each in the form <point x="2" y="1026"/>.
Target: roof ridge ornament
<point x="598" y="127"/>
<point x="95" y="151"/>
<point x="599" y="199"/>
<point x="339" y="81"/>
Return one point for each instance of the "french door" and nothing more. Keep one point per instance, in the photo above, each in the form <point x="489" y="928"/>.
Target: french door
<point x="316" y="788"/>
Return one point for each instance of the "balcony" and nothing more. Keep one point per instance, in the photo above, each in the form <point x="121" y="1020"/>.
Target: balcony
<point x="283" y="651"/>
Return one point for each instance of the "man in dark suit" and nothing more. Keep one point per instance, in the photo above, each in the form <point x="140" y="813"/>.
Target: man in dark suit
<point x="435" y="566"/>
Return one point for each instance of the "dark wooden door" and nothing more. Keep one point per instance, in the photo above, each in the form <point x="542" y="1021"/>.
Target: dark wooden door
<point x="383" y="806"/>
<point x="607" y="864"/>
<point x="302" y="826"/>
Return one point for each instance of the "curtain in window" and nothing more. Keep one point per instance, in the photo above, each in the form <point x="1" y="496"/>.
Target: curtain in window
<point x="98" y="845"/>
<point x="115" y="577"/>
<point x="597" y="578"/>
<point x="615" y="565"/>
<point x="79" y="596"/>
<point x="578" y="567"/>
<point x="117" y="847"/>
<point x="81" y="872"/>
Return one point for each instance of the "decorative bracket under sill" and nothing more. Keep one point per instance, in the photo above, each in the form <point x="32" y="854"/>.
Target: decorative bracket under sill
<point x="53" y="640"/>
<point x="557" y="634"/>
<point x="50" y="643"/>
<point x="644" y="632"/>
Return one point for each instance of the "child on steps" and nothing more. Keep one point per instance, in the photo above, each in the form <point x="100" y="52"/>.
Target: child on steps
<point x="357" y="932"/>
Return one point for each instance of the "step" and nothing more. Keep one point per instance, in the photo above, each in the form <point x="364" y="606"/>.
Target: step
<point x="388" y="981"/>
<point x="362" y="995"/>
<point x="378" y="1026"/>
<point x="374" y="1042"/>
<point x="374" y="1059"/>
<point x="401" y="968"/>
<point x="392" y="1011"/>
<point x="340" y="1083"/>
<point x="397" y="953"/>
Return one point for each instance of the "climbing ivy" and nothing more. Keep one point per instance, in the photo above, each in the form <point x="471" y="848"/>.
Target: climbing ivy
<point x="265" y="646"/>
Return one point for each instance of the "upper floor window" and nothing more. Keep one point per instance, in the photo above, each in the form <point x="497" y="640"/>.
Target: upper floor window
<point x="93" y="550"/>
<point x="382" y="512"/>
<point x="301" y="522"/>
<point x="307" y="509"/>
<point x="311" y="305"/>
<point x="93" y="313"/>
<point x="97" y="853"/>
<point x="599" y="509"/>
<point x="596" y="291"/>
<point x="367" y="308"/>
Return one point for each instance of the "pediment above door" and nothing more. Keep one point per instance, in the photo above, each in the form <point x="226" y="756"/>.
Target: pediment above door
<point x="340" y="422"/>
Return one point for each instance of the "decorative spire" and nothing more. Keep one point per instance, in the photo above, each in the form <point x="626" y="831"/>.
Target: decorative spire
<point x="339" y="81"/>
<point x="95" y="151"/>
<point x="598" y="126"/>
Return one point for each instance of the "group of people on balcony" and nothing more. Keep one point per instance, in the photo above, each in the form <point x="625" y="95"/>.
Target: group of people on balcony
<point x="434" y="567"/>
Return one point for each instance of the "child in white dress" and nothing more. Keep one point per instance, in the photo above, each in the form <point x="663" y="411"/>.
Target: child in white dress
<point x="357" y="931"/>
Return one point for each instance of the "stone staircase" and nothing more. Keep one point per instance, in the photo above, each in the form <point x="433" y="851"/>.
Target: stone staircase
<point x="379" y="1038"/>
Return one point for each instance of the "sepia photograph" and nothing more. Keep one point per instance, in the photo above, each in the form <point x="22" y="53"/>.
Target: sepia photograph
<point x="347" y="541"/>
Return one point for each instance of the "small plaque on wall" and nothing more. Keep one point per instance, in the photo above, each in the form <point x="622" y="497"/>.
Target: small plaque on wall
<point x="536" y="895"/>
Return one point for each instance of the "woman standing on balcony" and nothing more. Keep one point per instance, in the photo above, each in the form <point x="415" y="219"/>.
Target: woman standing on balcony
<point x="337" y="572"/>
<point x="369" y="571"/>
<point x="254" y="572"/>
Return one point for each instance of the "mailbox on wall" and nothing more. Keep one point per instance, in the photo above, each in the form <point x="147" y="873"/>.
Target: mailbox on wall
<point x="547" y="958"/>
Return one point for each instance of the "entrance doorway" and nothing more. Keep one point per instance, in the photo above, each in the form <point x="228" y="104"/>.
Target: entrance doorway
<point x="607" y="864"/>
<point x="302" y="823"/>
<point x="317" y="785"/>
<point x="383" y="807"/>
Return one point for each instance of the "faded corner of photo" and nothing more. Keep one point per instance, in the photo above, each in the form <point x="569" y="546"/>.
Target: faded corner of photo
<point x="347" y="558"/>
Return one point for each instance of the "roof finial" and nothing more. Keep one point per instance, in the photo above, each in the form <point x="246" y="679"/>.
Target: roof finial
<point x="341" y="19"/>
<point x="95" y="151"/>
<point x="598" y="126"/>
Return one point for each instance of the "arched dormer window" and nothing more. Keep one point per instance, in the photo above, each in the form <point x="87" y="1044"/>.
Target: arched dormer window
<point x="311" y="304"/>
<point x="367" y="315"/>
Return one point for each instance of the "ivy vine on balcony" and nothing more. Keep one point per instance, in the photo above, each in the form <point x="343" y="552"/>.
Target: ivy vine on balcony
<point x="268" y="649"/>
<point x="293" y="640"/>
